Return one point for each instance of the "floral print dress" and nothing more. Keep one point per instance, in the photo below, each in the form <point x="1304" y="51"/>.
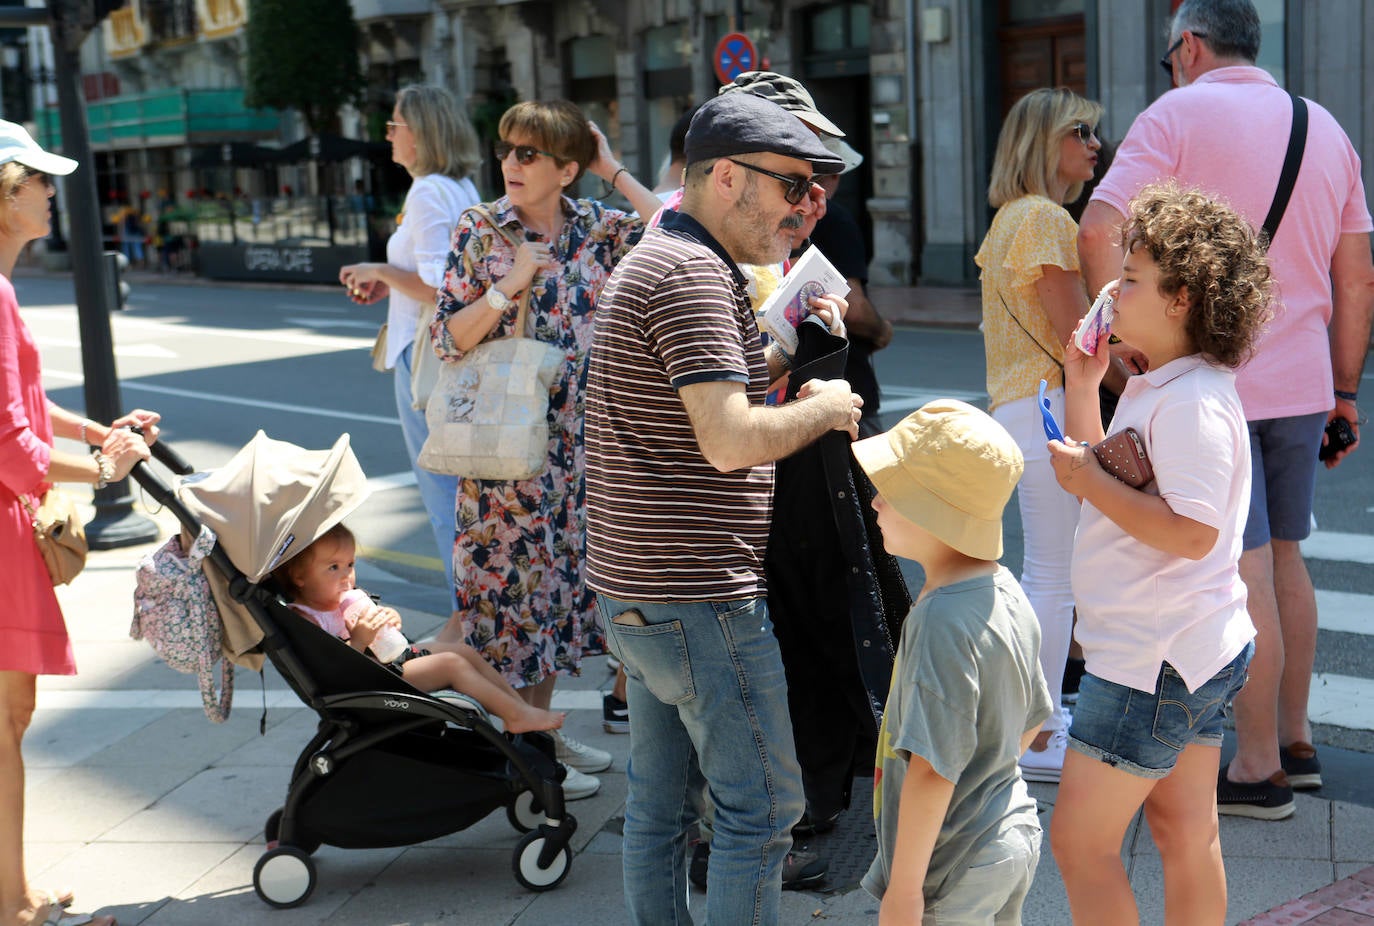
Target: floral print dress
<point x="518" y="556"/>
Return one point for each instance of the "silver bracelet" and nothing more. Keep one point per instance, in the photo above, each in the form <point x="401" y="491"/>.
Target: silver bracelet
<point x="106" y="469"/>
<point x="84" y="424"/>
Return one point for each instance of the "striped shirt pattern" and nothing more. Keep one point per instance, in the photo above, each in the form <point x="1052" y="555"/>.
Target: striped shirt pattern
<point x="662" y="523"/>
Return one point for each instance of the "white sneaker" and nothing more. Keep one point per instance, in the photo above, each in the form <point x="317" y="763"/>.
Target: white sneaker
<point x="1048" y="763"/>
<point x="580" y="756"/>
<point x="576" y="785"/>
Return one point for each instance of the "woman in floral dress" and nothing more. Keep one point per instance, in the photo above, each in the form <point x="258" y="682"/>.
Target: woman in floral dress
<point x="518" y="558"/>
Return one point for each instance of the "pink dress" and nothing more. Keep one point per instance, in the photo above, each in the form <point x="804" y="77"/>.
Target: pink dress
<point x="33" y="635"/>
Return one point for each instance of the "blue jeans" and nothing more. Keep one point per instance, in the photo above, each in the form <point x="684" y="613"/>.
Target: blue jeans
<point x="709" y="698"/>
<point x="438" y="493"/>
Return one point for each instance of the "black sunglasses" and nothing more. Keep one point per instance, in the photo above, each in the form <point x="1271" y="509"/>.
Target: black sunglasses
<point x="1084" y="131"/>
<point x="525" y="154"/>
<point x="1167" y="62"/>
<point x="797" y="188"/>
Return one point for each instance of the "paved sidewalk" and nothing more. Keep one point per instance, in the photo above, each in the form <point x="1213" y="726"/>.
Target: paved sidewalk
<point x="154" y="814"/>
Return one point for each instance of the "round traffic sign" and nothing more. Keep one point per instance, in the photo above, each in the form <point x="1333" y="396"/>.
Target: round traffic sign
<point x="735" y="54"/>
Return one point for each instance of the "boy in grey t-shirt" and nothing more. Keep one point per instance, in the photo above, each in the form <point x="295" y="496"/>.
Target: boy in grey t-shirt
<point x="958" y="835"/>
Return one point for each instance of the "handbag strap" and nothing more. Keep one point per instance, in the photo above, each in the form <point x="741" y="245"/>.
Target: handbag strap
<point x="1034" y="339"/>
<point x="1288" y="177"/>
<point x="523" y="306"/>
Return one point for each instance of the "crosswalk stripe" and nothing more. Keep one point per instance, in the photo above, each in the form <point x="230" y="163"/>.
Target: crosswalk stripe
<point x="1346" y="548"/>
<point x="120" y="699"/>
<point x="1346" y="612"/>
<point x="1342" y="701"/>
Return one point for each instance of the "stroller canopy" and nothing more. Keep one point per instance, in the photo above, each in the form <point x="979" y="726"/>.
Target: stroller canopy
<point x="274" y="499"/>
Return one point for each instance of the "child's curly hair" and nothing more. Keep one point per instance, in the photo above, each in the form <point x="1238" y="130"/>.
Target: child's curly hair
<point x="1203" y="246"/>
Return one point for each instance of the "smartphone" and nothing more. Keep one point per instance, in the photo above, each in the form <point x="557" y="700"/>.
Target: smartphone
<point x="1047" y="421"/>
<point x="1096" y="325"/>
<point x="1339" y="435"/>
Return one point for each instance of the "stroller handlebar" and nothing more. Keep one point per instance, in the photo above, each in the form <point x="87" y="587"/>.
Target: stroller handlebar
<point x="166" y="455"/>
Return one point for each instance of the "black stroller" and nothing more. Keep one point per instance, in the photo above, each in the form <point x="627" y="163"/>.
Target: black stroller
<point x="450" y="766"/>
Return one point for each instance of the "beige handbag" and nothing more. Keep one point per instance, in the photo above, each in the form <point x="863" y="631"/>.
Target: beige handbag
<point x="488" y="416"/>
<point x="59" y="533"/>
<point x="424" y="363"/>
<point x="379" y="351"/>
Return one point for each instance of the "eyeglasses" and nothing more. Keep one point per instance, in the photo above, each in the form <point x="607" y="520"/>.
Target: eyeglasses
<point x="1084" y="131"/>
<point x="1167" y="62"/>
<point x="797" y="188"/>
<point x="393" y="126"/>
<point x="524" y="154"/>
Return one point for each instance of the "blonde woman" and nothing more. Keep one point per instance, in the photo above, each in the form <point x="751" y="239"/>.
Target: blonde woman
<point x="433" y="140"/>
<point x="33" y="634"/>
<point x="1033" y="296"/>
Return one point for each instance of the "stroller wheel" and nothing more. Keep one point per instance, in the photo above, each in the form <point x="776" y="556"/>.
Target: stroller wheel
<point x="526" y="864"/>
<point x="525" y="812"/>
<point x="284" y="876"/>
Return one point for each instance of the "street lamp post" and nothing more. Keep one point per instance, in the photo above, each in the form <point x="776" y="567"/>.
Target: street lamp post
<point x="116" y="523"/>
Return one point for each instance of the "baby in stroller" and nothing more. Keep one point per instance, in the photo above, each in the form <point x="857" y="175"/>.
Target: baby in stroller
<point x="317" y="582"/>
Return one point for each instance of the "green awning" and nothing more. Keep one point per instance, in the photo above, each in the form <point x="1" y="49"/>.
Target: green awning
<point x="166" y="117"/>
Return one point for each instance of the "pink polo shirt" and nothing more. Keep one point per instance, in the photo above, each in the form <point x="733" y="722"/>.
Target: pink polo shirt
<point x="1139" y="607"/>
<point x="1226" y="134"/>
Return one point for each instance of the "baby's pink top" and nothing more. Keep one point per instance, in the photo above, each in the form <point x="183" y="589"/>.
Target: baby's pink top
<point x="337" y="622"/>
<point x="1226" y="134"/>
<point x="1139" y="607"/>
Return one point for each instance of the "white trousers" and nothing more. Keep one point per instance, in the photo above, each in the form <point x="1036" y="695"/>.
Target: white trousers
<point x="1049" y="517"/>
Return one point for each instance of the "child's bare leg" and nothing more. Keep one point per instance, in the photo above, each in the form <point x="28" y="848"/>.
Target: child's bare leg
<point x="474" y="659"/>
<point x="1096" y="804"/>
<point x="1182" y="812"/>
<point x="450" y="670"/>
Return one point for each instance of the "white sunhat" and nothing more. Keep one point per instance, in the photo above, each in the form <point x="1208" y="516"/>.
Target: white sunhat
<point x="844" y="151"/>
<point x="16" y="144"/>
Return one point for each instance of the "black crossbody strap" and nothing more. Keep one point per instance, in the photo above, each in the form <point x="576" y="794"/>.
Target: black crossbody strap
<point x="1292" y="162"/>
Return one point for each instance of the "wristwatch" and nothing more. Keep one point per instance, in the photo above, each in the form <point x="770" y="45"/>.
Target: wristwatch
<point x="498" y="300"/>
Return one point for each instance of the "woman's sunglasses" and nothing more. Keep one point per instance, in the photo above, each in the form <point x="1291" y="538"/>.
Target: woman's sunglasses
<point x="524" y="154"/>
<point x="1084" y="131"/>
<point x="796" y="188"/>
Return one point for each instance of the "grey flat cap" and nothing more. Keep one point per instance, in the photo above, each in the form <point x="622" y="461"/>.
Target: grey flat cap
<point x="741" y="123"/>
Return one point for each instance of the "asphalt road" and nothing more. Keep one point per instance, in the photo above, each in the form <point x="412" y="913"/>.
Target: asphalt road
<point x="220" y="363"/>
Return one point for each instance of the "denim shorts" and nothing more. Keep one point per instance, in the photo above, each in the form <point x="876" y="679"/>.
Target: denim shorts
<point x="1283" y="475"/>
<point x="1143" y="734"/>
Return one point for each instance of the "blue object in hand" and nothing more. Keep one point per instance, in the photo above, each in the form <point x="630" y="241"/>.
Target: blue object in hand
<point x="1051" y="426"/>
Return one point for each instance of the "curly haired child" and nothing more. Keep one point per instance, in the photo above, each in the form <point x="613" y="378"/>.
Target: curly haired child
<point x="1161" y="605"/>
<point x="319" y="578"/>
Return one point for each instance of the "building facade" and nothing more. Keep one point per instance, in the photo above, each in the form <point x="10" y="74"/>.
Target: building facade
<point x="919" y="86"/>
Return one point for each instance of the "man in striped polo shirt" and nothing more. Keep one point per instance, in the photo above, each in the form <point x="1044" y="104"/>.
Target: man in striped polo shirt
<point x="680" y="447"/>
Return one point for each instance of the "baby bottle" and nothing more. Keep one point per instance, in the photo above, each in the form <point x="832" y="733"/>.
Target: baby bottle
<point x="389" y="643"/>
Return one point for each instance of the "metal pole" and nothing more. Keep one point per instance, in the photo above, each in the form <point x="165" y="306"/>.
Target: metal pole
<point x="116" y="524"/>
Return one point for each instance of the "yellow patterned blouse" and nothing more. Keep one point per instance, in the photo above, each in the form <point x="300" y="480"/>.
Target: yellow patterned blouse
<point x="1026" y="234"/>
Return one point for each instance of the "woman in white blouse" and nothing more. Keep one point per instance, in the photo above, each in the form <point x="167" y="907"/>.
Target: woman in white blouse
<point x="433" y="140"/>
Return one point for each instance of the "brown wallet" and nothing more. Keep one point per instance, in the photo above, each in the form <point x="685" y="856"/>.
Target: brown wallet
<point x="1123" y="455"/>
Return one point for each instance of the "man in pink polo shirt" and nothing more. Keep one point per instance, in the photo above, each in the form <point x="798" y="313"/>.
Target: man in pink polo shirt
<point x="1225" y="130"/>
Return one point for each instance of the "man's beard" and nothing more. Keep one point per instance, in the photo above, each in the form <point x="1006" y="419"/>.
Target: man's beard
<point x="756" y="241"/>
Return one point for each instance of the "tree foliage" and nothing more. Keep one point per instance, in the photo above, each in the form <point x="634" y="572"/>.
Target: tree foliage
<point x="303" y="55"/>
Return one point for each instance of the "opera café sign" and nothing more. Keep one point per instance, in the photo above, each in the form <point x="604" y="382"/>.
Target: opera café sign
<point x="275" y="263"/>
